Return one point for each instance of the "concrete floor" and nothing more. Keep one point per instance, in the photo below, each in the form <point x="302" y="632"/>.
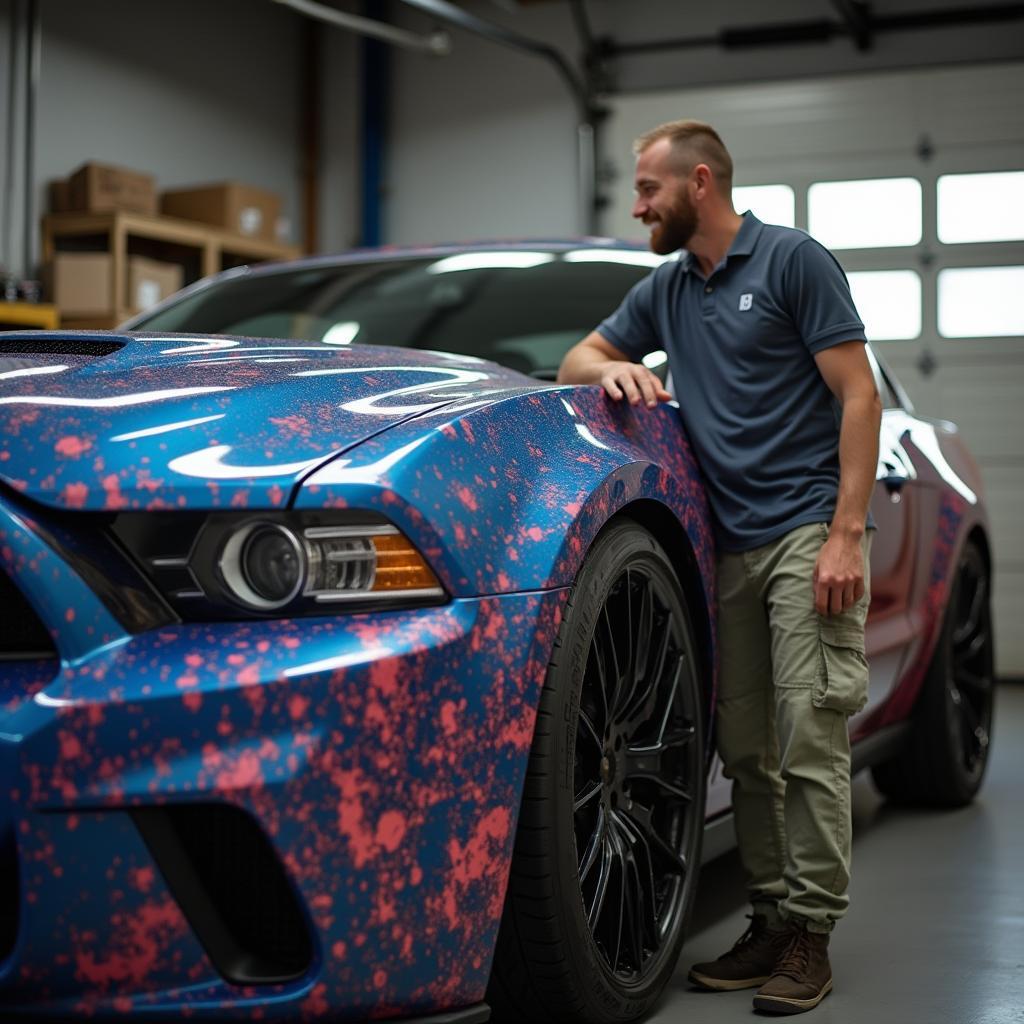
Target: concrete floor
<point x="935" y="931"/>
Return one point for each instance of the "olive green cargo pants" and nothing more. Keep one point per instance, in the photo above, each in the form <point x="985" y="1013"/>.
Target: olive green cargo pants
<point x="788" y="680"/>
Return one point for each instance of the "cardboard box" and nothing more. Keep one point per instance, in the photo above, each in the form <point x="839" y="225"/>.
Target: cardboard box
<point x="242" y="209"/>
<point x="100" y="188"/>
<point x="151" y="281"/>
<point x="59" y="194"/>
<point x="80" y="283"/>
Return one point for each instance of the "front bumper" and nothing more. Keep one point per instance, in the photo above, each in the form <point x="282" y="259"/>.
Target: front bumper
<point x="381" y="757"/>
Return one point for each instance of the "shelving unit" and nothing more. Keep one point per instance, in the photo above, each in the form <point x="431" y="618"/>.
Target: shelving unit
<point x="201" y="250"/>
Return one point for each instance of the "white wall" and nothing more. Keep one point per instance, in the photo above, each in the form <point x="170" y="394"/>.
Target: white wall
<point x="192" y="92"/>
<point x="340" y="153"/>
<point x="482" y="142"/>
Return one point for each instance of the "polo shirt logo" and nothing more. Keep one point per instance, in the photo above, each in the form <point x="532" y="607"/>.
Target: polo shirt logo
<point x="746" y="301"/>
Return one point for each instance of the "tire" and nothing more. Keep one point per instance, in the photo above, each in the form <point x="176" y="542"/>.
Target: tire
<point x="613" y="801"/>
<point x="944" y="760"/>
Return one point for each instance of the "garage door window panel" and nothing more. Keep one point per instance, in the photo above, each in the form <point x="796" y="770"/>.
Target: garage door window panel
<point x="889" y="303"/>
<point x="771" y="204"/>
<point x="981" y="207"/>
<point x="866" y="214"/>
<point x="981" y="302"/>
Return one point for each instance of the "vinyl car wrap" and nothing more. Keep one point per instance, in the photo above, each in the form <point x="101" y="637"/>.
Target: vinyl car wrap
<point x="380" y="754"/>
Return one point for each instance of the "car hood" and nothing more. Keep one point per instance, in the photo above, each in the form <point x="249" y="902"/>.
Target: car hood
<point x="109" y="421"/>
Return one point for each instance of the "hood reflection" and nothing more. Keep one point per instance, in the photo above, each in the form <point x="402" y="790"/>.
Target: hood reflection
<point x="209" y="463"/>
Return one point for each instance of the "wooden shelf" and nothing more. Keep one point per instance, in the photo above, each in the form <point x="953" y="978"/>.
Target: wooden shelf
<point x="203" y="250"/>
<point x="40" y="315"/>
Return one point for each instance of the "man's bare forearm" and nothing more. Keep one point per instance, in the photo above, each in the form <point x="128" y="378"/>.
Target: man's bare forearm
<point x="858" y="462"/>
<point x="586" y="362"/>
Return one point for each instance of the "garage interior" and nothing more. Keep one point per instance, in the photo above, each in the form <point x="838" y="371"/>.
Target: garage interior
<point x="497" y="119"/>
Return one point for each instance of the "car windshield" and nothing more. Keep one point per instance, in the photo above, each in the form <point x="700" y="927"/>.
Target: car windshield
<point x="523" y="309"/>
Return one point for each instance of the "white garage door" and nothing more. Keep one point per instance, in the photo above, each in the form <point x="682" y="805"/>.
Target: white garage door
<point x="916" y="181"/>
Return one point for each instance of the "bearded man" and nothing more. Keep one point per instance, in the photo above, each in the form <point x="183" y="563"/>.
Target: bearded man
<point x="776" y="393"/>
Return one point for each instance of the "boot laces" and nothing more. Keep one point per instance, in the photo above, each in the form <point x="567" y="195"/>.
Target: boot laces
<point x="753" y="930"/>
<point x="797" y="955"/>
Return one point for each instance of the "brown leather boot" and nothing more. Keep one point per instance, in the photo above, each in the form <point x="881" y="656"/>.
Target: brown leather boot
<point x="802" y="977"/>
<point x="750" y="961"/>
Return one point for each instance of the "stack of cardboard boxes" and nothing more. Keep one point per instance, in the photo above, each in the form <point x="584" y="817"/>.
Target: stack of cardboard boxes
<point x="80" y="282"/>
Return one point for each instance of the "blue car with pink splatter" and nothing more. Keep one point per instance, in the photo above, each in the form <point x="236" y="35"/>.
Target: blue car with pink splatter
<point x="352" y="668"/>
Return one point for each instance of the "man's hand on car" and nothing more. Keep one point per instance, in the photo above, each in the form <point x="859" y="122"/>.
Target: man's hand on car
<point x="634" y="382"/>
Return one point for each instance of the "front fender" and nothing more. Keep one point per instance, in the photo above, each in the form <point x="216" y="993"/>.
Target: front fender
<point x="510" y="495"/>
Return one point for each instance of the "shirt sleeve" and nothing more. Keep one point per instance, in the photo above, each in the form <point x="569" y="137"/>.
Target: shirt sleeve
<point x="819" y="299"/>
<point x="631" y="328"/>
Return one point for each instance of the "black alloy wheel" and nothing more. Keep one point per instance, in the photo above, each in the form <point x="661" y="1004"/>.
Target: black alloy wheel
<point x="945" y="759"/>
<point x="969" y="675"/>
<point x="608" y="843"/>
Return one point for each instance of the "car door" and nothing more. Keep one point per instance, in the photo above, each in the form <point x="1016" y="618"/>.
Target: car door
<point x="895" y="509"/>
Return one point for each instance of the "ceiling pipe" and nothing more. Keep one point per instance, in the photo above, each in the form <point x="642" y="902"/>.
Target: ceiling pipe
<point x="858" y="21"/>
<point x="11" y="131"/>
<point x="33" y="48"/>
<point x="454" y="15"/>
<point x="437" y="43"/>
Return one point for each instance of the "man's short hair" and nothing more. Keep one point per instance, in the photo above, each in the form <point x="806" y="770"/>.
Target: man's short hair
<point x="693" y="142"/>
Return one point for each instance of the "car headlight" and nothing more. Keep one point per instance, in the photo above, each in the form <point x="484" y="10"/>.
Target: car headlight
<point x="263" y="565"/>
<point x="221" y="565"/>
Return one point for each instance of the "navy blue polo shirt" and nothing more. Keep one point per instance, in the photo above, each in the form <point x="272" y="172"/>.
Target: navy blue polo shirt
<point x="741" y="344"/>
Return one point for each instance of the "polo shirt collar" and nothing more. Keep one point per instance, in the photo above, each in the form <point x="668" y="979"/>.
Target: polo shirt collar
<point x="746" y="238"/>
<point x="742" y="245"/>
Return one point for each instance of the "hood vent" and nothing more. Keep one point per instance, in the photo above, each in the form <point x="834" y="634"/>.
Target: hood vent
<point x="57" y="347"/>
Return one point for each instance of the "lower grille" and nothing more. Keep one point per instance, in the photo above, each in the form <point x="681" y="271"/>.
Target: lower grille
<point x="226" y="878"/>
<point x="22" y="636"/>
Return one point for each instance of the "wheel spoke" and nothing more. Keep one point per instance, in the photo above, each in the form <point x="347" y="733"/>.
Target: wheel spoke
<point x="969" y="627"/>
<point x="589" y="731"/>
<point x="618" y="853"/>
<point x="603" y="878"/>
<point x="586" y="795"/>
<point x="647" y="899"/>
<point x="645" y="705"/>
<point x="970" y="649"/>
<point x="629" y="662"/>
<point x="971" y="681"/>
<point x="597" y="659"/>
<point x="965" y="709"/>
<point x="612" y="662"/>
<point x="644" y="632"/>
<point x="593" y="846"/>
<point x="670" y="699"/>
<point x="633" y="903"/>
<point x="642" y="817"/>
<point x="647" y="762"/>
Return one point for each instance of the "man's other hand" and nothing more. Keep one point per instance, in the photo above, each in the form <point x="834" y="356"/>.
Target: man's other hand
<point x="838" y="575"/>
